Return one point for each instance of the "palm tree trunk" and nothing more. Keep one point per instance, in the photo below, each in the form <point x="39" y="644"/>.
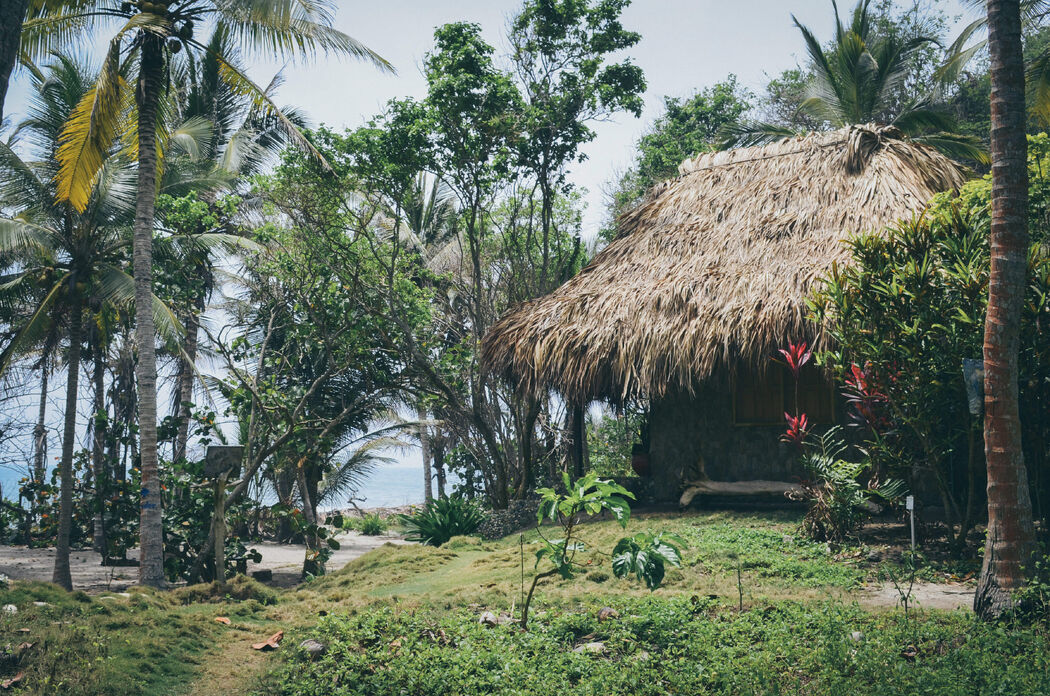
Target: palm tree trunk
<point x="424" y="446"/>
<point x="98" y="437"/>
<point x="151" y="533"/>
<point x="185" y="385"/>
<point x="1011" y="535"/>
<point x="12" y="15"/>
<point x="39" y="442"/>
<point x="61" y="575"/>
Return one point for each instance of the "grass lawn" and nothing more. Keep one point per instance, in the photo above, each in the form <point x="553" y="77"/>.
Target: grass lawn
<point x="404" y="620"/>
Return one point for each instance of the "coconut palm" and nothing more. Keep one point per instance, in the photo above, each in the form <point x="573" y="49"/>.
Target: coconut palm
<point x="148" y="34"/>
<point x="67" y="259"/>
<point x="1011" y="534"/>
<point x="858" y="81"/>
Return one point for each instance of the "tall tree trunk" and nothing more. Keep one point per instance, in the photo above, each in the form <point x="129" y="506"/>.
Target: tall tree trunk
<point x="151" y="533"/>
<point x="1011" y="535"/>
<point x="439" y="464"/>
<point x="61" y="574"/>
<point x="98" y="437"/>
<point x="39" y="442"/>
<point x="12" y="15"/>
<point x="185" y="385"/>
<point x="424" y="446"/>
<point x="577" y="442"/>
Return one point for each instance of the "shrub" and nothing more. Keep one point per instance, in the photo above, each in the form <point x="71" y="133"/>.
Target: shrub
<point x="441" y="519"/>
<point x="369" y="525"/>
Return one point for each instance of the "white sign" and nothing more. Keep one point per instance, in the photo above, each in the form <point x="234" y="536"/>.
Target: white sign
<point x="909" y="502"/>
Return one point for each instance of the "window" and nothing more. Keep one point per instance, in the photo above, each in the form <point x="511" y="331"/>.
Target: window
<point x="763" y="399"/>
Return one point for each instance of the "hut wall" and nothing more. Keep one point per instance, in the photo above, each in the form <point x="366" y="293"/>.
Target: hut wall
<point x="683" y="428"/>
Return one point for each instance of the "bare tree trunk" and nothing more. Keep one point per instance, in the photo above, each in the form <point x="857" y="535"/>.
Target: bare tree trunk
<point x="577" y="433"/>
<point x="61" y="574"/>
<point x="39" y="442"/>
<point x="439" y="465"/>
<point x="97" y="444"/>
<point x="424" y="446"/>
<point x="12" y="15"/>
<point x="151" y="533"/>
<point x="185" y="386"/>
<point x="1011" y="534"/>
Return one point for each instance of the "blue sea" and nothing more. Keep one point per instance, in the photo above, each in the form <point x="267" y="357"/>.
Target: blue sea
<point x="391" y="485"/>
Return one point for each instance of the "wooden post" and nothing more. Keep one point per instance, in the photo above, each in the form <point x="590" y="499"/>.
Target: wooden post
<point x="220" y="527"/>
<point x="578" y="433"/>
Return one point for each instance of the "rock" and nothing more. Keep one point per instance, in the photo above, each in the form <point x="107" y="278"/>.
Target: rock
<point x="264" y="575"/>
<point x="787" y="539"/>
<point x="313" y="648"/>
<point x="10" y="609"/>
<point x="856" y="637"/>
<point x="874" y="556"/>
<point x="606" y="613"/>
<point x="592" y="648"/>
<point x="40" y="604"/>
<point x="487" y="618"/>
<point x="641" y="656"/>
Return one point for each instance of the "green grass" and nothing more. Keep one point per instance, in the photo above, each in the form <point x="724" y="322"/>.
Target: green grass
<point x="145" y="644"/>
<point x="688" y="637"/>
<point x="674" y="645"/>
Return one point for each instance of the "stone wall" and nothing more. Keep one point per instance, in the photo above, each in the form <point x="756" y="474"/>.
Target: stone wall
<point x="683" y="428"/>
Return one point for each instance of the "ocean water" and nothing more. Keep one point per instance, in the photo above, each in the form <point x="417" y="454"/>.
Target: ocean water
<point x="391" y="485"/>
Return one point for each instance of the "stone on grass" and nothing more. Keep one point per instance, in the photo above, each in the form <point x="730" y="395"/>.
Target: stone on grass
<point x="856" y="637"/>
<point x="487" y="618"/>
<point x="606" y="613"/>
<point x="592" y="648"/>
<point x="313" y="648"/>
<point x="10" y="609"/>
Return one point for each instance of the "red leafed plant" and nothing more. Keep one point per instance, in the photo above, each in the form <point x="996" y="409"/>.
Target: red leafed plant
<point x="796" y="355"/>
<point x="864" y="398"/>
<point x="798" y="428"/>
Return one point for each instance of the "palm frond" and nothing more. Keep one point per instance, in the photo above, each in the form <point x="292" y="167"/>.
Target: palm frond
<point x="90" y="132"/>
<point x="750" y="133"/>
<point x="192" y="136"/>
<point x="956" y="145"/>
<point x="1038" y="77"/>
<point x="20" y="235"/>
<point x="291" y="28"/>
<point x="33" y="326"/>
<point x="117" y="287"/>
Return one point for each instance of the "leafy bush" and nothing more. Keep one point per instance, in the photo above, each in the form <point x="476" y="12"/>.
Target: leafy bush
<point x="838" y="502"/>
<point x="372" y="524"/>
<point x="905" y="312"/>
<point x="646" y="555"/>
<point x="441" y="519"/>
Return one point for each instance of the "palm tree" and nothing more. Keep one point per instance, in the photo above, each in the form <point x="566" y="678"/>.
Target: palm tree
<point x="12" y="14"/>
<point x="858" y="81"/>
<point x="1011" y="534"/>
<point x="153" y="31"/>
<point x="65" y="257"/>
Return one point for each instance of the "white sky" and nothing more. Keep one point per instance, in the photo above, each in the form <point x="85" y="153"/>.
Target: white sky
<point x="686" y="45"/>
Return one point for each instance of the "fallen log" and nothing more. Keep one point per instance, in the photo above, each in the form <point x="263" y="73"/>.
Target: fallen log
<point x="740" y="489"/>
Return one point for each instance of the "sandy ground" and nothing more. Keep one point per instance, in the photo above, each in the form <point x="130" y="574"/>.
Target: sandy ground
<point x="924" y="595"/>
<point x="284" y="560"/>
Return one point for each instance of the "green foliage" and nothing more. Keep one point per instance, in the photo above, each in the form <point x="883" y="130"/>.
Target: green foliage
<point x="687" y="127"/>
<point x="675" y="645"/>
<point x="371" y="524"/>
<point x="645" y="555"/>
<point x="905" y="313"/>
<point x="441" y="519"/>
<point x="610" y="440"/>
<point x="837" y="499"/>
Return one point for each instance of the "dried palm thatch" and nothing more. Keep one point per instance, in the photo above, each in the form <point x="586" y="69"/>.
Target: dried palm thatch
<point x="713" y="268"/>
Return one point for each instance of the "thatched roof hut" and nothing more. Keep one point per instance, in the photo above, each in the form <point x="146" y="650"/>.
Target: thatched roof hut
<point x="713" y="268"/>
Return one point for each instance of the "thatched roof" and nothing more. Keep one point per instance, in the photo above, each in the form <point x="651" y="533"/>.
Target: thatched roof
<point x="713" y="268"/>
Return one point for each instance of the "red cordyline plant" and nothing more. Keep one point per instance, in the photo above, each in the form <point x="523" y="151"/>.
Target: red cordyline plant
<point x="796" y="355"/>
<point x="864" y="398"/>
<point x="798" y="428"/>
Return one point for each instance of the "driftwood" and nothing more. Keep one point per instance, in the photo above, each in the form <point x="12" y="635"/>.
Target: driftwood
<point x="740" y="489"/>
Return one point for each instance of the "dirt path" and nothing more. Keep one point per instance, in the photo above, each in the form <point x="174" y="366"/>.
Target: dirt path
<point x="924" y="595"/>
<point x="284" y="560"/>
